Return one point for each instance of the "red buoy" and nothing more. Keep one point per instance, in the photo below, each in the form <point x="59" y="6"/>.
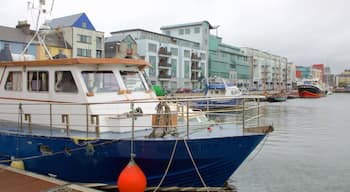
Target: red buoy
<point x="132" y="179"/>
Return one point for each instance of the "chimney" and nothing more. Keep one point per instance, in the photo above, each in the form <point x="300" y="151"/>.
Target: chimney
<point x="5" y="54"/>
<point x="24" y="26"/>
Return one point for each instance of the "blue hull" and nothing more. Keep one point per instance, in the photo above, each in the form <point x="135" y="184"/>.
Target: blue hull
<point x="217" y="104"/>
<point x="101" y="161"/>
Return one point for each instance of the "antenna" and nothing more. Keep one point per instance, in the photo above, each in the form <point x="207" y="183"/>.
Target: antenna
<point x="41" y="27"/>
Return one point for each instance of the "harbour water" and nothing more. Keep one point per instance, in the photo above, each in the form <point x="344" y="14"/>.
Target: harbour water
<point x="308" y="151"/>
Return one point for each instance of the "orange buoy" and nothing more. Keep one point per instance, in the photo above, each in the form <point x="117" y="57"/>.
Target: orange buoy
<point x="132" y="178"/>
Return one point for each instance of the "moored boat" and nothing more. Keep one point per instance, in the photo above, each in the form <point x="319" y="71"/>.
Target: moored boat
<point x="310" y="88"/>
<point x="217" y="88"/>
<point x="81" y="120"/>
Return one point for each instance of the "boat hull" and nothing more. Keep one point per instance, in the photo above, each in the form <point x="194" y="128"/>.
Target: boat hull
<point x="309" y="91"/>
<point x="101" y="161"/>
<point x="217" y="104"/>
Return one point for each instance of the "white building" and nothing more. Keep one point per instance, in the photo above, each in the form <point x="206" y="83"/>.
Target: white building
<point x="268" y="71"/>
<point x="176" y="63"/>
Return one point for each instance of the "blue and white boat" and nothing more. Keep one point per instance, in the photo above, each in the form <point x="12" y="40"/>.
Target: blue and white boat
<point x="218" y="94"/>
<point x="80" y="120"/>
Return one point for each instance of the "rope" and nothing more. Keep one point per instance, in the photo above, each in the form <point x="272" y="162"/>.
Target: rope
<point x="260" y="149"/>
<point x="168" y="166"/>
<point x="195" y="166"/>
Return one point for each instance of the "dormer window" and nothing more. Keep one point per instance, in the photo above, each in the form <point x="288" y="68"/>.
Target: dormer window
<point x="83" y="25"/>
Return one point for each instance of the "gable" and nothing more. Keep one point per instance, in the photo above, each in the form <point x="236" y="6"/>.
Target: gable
<point x="84" y="22"/>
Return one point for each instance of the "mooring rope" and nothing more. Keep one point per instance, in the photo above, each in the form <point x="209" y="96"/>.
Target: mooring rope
<point x="168" y="166"/>
<point x="195" y="166"/>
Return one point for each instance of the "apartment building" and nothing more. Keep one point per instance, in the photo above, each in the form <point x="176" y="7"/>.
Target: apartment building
<point x="176" y="63"/>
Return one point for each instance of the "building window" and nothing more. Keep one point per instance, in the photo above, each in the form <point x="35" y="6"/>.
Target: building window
<point x="152" y="47"/>
<point x="64" y="82"/>
<point x="173" y="67"/>
<point x="197" y="30"/>
<point x="152" y="60"/>
<point x="84" y="52"/>
<point x="98" y="54"/>
<point x="187" y="69"/>
<point x="167" y="32"/>
<point x="84" y="39"/>
<point x="174" y="51"/>
<point x="84" y="25"/>
<point x="187" y="31"/>
<point x="38" y="81"/>
<point x="202" y="56"/>
<point x="187" y="54"/>
<point x="98" y="43"/>
<point x="14" y="81"/>
<point x="181" y="31"/>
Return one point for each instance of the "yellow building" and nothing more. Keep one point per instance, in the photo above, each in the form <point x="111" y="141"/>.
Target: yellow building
<point x="343" y="79"/>
<point x="55" y="44"/>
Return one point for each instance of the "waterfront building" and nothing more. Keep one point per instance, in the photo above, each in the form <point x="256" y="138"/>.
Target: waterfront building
<point x="223" y="60"/>
<point x="343" y="79"/>
<point x="329" y="77"/>
<point x="303" y="72"/>
<point x="316" y="73"/>
<point x="268" y="71"/>
<point x="228" y="62"/>
<point x="321" y="68"/>
<point x="121" y="46"/>
<point x="17" y="38"/>
<point x="176" y="63"/>
<point x="80" y="34"/>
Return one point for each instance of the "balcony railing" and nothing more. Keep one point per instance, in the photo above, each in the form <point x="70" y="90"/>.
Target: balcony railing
<point x="164" y="76"/>
<point x="164" y="51"/>
<point x="196" y="68"/>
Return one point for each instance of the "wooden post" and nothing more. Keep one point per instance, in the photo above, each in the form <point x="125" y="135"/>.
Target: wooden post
<point x="28" y="117"/>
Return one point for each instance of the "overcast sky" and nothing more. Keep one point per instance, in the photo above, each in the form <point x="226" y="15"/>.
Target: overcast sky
<point x="304" y="31"/>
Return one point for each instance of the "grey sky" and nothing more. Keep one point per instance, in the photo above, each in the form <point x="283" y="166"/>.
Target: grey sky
<point x="304" y="31"/>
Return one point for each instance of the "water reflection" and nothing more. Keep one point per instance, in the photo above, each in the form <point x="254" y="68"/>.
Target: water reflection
<point x="308" y="151"/>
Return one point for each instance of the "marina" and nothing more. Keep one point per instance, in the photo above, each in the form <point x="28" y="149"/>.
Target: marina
<point x="180" y="110"/>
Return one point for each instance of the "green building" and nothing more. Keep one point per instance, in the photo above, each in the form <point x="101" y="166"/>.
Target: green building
<point x="228" y="62"/>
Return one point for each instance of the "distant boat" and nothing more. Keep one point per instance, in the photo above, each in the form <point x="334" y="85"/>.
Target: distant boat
<point x="310" y="88"/>
<point x="218" y="94"/>
<point x="278" y="97"/>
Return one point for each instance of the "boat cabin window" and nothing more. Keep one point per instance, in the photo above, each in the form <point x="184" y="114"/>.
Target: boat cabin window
<point x="14" y="81"/>
<point x="38" y="81"/>
<point x="100" y="81"/>
<point x="64" y="82"/>
<point x="132" y="81"/>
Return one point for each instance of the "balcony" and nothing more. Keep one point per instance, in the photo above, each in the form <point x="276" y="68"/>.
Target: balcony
<point x="164" y="77"/>
<point x="163" y="51"/>
<point x="164" y="64"/>
<point x="195" y="68"/>
<point x="195" y="57"/>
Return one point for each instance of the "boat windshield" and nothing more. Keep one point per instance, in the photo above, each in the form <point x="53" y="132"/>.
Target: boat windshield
<point x="100" y="81"/>
<point x="132" y="81"/>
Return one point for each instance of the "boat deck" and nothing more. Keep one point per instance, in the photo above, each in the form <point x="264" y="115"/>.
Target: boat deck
<point x="15" y="180"/>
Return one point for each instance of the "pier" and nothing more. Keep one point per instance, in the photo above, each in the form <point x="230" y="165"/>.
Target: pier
<point x="12" y="180"/>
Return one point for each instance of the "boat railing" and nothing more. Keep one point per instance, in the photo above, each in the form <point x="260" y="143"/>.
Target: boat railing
<point x="182" y="116"/>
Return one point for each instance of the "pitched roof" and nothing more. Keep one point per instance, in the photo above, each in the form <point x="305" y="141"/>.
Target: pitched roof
<point x="187" y="25"/>
<point x="118" y="38"/>
<point x="67" y="21"/>
<point x="14" y="35"/>
<point x="79" y="20"/>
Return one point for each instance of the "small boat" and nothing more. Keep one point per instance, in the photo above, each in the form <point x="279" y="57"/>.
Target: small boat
<point x="218" y="94"/>
<point x="276" y="98"/>
<point x="83" y="119"/>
